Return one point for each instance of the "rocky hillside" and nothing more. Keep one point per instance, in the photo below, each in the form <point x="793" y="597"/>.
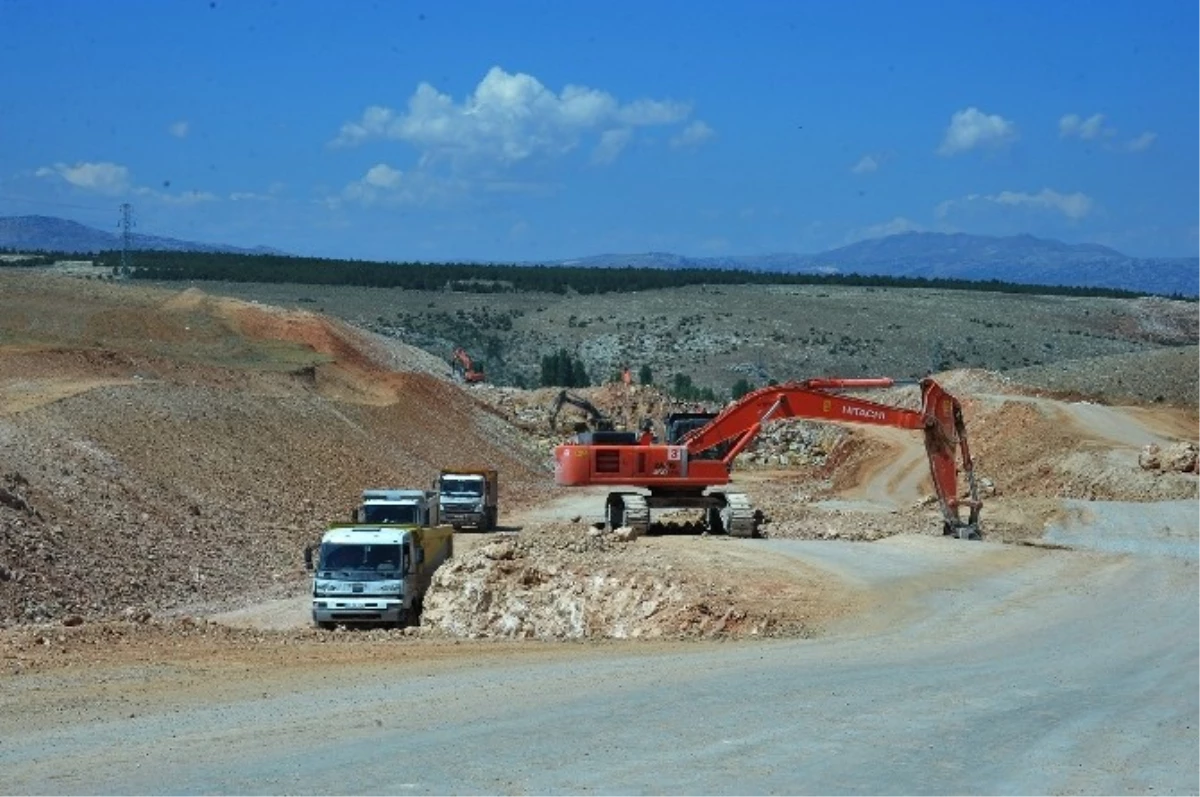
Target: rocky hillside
<point x="161" y="450"/>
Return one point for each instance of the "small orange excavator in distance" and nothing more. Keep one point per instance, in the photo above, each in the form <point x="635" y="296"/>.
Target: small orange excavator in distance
<point x="464" y="368"/>
<point x="700" y="449"/>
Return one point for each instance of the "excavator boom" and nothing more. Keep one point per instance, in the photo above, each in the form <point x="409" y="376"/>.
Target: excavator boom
<point x="703" y="458"/>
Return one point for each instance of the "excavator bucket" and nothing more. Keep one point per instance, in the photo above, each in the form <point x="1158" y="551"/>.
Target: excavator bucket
<point x="945" y="440"/>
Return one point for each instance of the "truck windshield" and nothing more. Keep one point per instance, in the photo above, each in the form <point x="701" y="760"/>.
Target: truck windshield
<point x="363" y="562"/>
<point x="465" y="486"/>
<point x="390" y="513"/>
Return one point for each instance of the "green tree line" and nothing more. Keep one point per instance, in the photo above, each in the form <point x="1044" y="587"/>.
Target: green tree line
<point x="497" y="278"/>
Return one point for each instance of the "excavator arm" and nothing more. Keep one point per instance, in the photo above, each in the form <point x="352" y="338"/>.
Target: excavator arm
<point x="598" y="419"/>
<point x="940" y="419"/>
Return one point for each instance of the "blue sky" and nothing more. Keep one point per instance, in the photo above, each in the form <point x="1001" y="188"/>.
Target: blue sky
<point x="539" y="130"/>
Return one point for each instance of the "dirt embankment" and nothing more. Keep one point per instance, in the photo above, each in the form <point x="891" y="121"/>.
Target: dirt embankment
<point x="148" y="475"/>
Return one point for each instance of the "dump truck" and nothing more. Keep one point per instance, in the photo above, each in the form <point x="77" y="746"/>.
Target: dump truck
<point x="391" y="505"/>
<point x="374" y="573"/>
<point x="468" y="497"/>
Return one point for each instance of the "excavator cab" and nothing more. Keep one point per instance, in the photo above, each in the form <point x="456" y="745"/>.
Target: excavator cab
<point x="678" y="424"/>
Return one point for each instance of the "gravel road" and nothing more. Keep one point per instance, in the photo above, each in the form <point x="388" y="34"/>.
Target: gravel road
<point x="985" y="669"/>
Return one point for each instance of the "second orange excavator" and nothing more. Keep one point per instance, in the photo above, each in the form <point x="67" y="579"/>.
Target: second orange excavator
<point x="464" y="368"/>
<point x="700" y="448"/>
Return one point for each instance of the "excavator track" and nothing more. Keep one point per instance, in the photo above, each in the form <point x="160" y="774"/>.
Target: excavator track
<point x="628" y="509"/>
<point x="738" y="516"/>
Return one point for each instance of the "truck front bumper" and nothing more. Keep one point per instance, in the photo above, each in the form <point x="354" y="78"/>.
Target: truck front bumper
<point x="457" y="519"/>
<point x="358" y="610"/>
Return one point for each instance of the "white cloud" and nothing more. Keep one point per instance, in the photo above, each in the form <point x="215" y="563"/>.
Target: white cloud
<point x="654" y="113"/>
<point x="866" y="164"/>
<point x="896" y="226"/>
<point x="695" y="134"/>
<point x="112" y="179"/>
<point x="1074" y="206"/>
<point x="382" y="176"/>
<point x="1142" y="142"/>
<point x="971" y="128"/>
<point x="179" y="129"/>
<point x="102" y="177"/>
<point x="1093" y="127"/>
<point x="381" y="184"/>
<point x="183" y="199"/>
<point x="611" y="144"/>
<point x="1087" y="129"/>
<point x="508" y="118"/>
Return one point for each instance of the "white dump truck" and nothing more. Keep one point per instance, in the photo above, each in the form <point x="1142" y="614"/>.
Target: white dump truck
<point x="389" y="505"/>
<point x="468" y="497"/>
<point x="374" y="573"/>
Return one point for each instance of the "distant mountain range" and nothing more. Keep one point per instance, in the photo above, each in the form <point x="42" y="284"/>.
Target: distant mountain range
<point x="1022" y="259"/>
<point x="61" y="235"/>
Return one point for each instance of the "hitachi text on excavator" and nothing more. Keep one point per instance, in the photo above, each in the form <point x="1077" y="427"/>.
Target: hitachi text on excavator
<point x="691" y="467"/>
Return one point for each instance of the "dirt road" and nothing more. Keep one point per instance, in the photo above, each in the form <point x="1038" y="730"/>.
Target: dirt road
<point x="986" y="669"/>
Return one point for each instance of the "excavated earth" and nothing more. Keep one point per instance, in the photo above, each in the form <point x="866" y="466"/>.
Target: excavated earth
<point x="165" y="455"/>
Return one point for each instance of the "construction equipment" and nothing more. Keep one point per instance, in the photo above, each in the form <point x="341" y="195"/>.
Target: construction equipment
<point x="700" y="449"/>
<point x="374" y="573"/>
<point x="468" y="497"/>
<point x="464" y="368"/>
<point x="598" y="420"/>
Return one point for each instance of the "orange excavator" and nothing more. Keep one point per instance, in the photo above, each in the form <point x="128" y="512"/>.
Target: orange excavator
<point x="700" y="448"/>
<point x="464" y="368"/>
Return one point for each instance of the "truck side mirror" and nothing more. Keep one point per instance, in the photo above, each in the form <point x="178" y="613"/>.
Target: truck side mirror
<point x="308" y="560"/>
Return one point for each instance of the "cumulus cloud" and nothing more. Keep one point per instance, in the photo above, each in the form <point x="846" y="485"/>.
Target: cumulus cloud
<point x="379" y="181"/>
<point x="102" y="177"/>
<point x="382" y="176"/>
<point x="611" y="144"/>
<point x="507" y="118"/>
<point x="973" y="129"/>
<point x="111" y="179"/>
<point x="386" y="186"/>
<point x="866" y="165"/>
<point x="1142" y="142"/>
<point x="1073" y="206"/>
<point x="182" y="199"/>
<point x="249" y="196"/>
<point x="695" y="134"/>
<point x="895" y="226"/>
<point x="1074" y="126"/>
<point x="1087" y="129"/>
<point x="179" y="129"/>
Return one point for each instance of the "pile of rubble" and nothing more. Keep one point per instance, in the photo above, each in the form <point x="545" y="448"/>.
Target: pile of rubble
<point x="793" y="443"/>
<point x="1179" y="457"/>
<point x="785" y="443"/>
<point x="565" y="582"/>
